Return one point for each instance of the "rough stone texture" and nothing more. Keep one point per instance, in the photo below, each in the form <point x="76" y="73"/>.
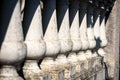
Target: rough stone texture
<point x="8" y="72"/>
<point x="64" y="68"/>
<point x="31" y="70"/>
<point x="112" y="49"/>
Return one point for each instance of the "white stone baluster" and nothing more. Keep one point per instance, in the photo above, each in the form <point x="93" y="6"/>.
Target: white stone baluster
<point x="74" y="25"/>
<point x="64" y="34"/>
<point x="90" y="28"/>
<point x="13" y="50"/>
<point x="48" y="64"/>
<point x="91" y="39"/>
<point x="103" y="38"/>
<point x="96" y="19"/>
<point x="83" y="35"/>
<point x="32" y="26"/>
<point x="83" y="26"/>
<point x="103" y="42"/>
<point x="75" y="36"/>
<point x="102" y="29"/>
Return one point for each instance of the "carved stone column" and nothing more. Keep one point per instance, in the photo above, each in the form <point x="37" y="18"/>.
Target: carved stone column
<point x="32" y="26"/>
<point x="75" y="36"/>
<point x="64" y="35"/>
<point x="48" y="64"/>
<point x="13" y="50"/>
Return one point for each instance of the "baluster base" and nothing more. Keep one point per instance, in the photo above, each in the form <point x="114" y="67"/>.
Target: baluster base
<point x="32" y="71"/>
<point x="49" y="67"/>
<point x="8" y="72"/>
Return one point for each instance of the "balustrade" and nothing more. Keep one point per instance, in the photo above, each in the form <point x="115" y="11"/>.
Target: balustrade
<point x="60" y="40"/>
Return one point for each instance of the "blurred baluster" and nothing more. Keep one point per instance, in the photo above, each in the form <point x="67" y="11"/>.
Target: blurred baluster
<point x="32" y="26"/>
<point x="75" y="37"/>
<point x="13" y="49"/>
<point x="102" y="29"/>
<point x="83" y="25"/>
<point x="90" y="27"/>
<point x="83" y="35"/>
<point x="48" y="64"/>
<point x="64" y="35"/>
<point x="91" y="39"/>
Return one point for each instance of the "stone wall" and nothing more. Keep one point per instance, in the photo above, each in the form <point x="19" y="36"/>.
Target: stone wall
<point x="113" y="36"/>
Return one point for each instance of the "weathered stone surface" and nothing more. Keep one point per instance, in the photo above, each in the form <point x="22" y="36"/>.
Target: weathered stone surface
<point x="112" y="49"/>
<point x="63" y="34"/>
<point x="9" y="73"/>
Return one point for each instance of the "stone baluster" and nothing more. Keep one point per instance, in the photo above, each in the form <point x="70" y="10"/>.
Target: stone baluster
<point x="32" y="26"/>
<point x="83" y="35"/>
<point x="83" y="26"/>
<point x="13" y="49"/>
<point x="90" y="28"/>
<point x="103" y="42"/>
<point x="48" y="64"/>
<point x="64" y="35"/>
<point x="102" y="29"/>
<point x="90" y="34"/>
<point x="103" y="38"/>
<point x="75" y="36"/>
<point x="96" y="21"/>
